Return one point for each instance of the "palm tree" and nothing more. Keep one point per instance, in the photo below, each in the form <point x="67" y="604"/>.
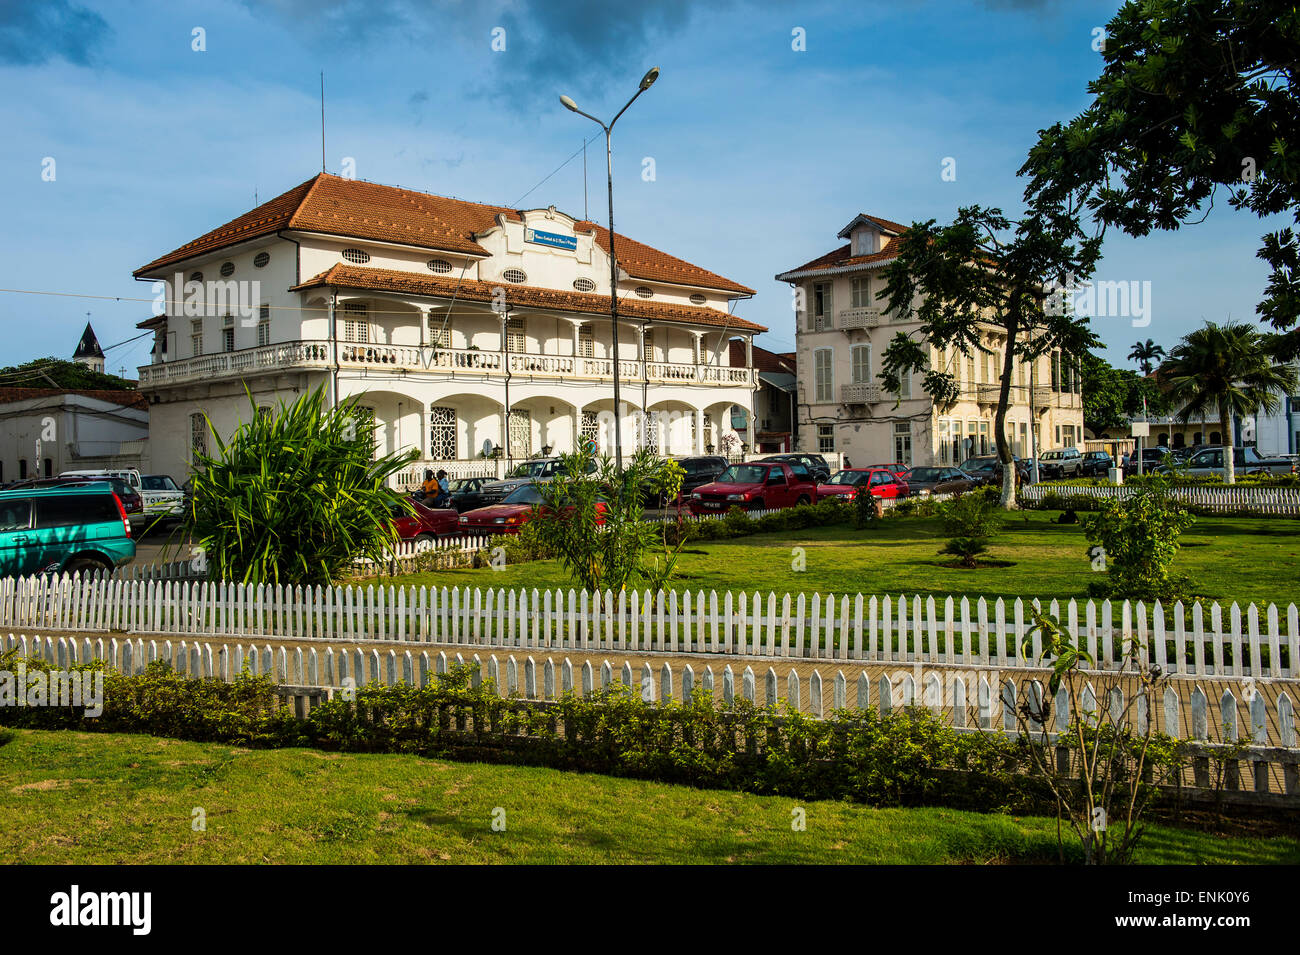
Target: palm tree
<point x="1228" y="370"/>
<point x="1146" y="354"/>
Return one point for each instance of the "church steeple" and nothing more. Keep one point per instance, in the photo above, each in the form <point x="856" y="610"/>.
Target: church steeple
<point x="88" y="352"/>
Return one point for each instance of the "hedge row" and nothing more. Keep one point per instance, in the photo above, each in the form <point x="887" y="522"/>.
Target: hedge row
<point x="900" y="758"/>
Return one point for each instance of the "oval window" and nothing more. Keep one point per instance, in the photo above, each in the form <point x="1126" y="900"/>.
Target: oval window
<point x="196" y="276"/>
<point x="644" y="291"/>
<point x="227" y="269"/>
<point x="514" y="275"/>
<point x="356" y="256"/>
<point x="439" y="266"/>
<point x="698" y="299"/>
<point x="261" y="259"/>
<point x="584" y="285"/>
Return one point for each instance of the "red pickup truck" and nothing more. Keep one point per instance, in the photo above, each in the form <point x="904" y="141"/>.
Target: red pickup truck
<point x="755" y="486"/>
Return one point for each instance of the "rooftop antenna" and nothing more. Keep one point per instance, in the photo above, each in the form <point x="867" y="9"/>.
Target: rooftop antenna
<point x="584" y="179"/>
<point x="322" y="120"/>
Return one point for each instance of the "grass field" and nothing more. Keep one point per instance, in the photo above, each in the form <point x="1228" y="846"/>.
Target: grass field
<point x="90" y="798"/>
<point x="1241" y="559"/>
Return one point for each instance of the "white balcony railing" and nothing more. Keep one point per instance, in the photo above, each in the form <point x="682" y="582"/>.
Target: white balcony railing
<point x="859" y="318"/>
<point x="859" y="394"/>
<point x="316" y="355"/>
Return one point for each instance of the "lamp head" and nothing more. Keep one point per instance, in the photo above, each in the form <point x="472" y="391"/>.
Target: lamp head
<point x="569" y="104"/>
<point x="648" y="80"/>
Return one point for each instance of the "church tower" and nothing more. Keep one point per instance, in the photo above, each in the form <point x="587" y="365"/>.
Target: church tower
<point x="88" y="352"/>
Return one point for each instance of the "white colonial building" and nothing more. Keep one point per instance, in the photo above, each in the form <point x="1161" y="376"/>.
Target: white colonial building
<point x="462" y="327"/>
<point x="842" y="332"/>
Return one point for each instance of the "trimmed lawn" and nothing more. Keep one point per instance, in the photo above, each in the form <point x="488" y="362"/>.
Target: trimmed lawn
<point x="92" y="798"/>
<point x="1230" y="559"/>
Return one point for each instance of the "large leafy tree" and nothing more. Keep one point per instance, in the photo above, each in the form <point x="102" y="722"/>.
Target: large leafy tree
<point x="1224" y="370"/>
<point x="982" y="275"/>
<point x="1195" y="97"/>
<point x="295" y="496"/>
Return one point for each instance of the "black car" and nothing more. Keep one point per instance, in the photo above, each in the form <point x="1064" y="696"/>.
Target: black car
<point x="987" y="469"/>
<point x="815" y="464"/>
<point x="1152" y="458"/>
<point x="1097" y="464"/>
<point x="700" y="470"/>
<point x="924" y="481"/>
<point x="467" y="493"/>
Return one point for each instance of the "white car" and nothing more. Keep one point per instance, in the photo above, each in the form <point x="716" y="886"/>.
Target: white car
<point x="161" y="496"/>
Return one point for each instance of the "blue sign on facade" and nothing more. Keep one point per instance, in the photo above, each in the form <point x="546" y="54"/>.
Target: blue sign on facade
<point x="556" y="241"/>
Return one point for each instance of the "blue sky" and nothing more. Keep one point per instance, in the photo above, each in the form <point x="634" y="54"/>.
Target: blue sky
<point x="761" y="152"/>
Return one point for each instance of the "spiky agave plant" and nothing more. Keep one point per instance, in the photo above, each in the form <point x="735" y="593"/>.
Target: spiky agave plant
<point x="295" y="496"/>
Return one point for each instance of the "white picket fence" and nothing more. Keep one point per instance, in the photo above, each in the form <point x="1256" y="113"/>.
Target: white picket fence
<point x="1196" y="640"/>
<point x="1274" y="501"/>
<point x="440" y="554"/>
<point x="964" y="700"/>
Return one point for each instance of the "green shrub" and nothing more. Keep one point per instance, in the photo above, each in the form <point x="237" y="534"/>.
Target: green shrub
<point x="1138" y="540"/>
<point x="904" y="757"/>
<point x="737" y="522"/>
<point x="592" y="519"/>
<point x="294" y="497"/>
<point x="970" y="521"/>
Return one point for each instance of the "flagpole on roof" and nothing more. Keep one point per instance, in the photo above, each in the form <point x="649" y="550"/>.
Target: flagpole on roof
<point x="322" y="120"/>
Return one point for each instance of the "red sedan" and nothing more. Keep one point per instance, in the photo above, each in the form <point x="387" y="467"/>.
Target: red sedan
<point x="515" y="510"/>
<point x="426" y="523"/>
<point x="880" y="482"/>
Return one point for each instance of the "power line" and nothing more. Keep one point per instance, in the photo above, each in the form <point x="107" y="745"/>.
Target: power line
<point x="581" y="149"/>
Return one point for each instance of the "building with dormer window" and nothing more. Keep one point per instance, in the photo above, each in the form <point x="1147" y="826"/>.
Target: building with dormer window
<point x="842" y="333"/>
<point x="464" y="329"/>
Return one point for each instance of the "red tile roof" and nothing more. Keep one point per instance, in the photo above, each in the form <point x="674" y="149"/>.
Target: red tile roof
<point x="764" y="360"/>
<point x="128" y="399"/>
<point x="525" y="296"/>
<point x="353" y="208"/>
<point x="840" y="258"/>
<point x="643" y="262"/>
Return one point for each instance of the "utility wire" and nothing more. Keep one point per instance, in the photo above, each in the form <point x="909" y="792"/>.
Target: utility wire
<point x="581" y="150"/>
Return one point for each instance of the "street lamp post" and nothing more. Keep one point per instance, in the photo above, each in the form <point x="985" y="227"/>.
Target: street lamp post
<point x="646" y="82"/>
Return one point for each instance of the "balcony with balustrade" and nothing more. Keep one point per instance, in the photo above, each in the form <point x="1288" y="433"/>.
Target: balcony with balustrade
<point x="860" y="393"/>
<point x="858" y="318"/>
<point x="435" y="362"/>
<point x="1046" y="397"/>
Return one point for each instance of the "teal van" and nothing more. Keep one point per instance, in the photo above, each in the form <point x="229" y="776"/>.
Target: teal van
<point x="60" y="530"/>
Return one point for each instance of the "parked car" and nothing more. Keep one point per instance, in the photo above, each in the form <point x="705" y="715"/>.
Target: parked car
<point x="879" y="482"/>
<point x="162" y="497"/>
<point x="518" y="508"/>
<point x="815" y="464"/>
<point x="467" y="493"/>
<point x="427" y="523"/>
<point x="1060" y="464"/>
<point x="63" y="528"/>
<point x="1209" y="462"/>
<point x="528" y="472"/>
<point x="153" y="502"/>
<point x="129" y="496"/>
<point x="700" y="470"/>
<point x="1152" y="458"/>
<point x="924" y="481"/>
<point x="987" y="469"/>
<point x="1097" y="464"/>
<point x="756" y="485"/>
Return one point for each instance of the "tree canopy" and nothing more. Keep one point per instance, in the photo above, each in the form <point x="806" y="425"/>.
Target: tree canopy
<point x="1195" y="97"/>
<point x="1225" y="371"/>
<point x="978" y="285"/>
<point x="61" y="373"/>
